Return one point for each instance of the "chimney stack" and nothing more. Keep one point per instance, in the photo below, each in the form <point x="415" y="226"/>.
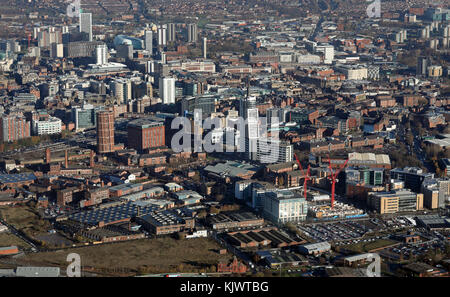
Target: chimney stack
<point x="91" y="159"/>
<point x="66" y="159"/>
<point x="47" y="155"/>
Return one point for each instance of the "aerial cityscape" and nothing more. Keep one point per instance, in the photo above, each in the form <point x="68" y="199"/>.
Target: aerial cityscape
<point x="222" y="139"/>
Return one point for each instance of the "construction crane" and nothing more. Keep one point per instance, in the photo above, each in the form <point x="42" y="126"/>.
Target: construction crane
<point x="333" y="176"/>
<point x="307" y="175"/>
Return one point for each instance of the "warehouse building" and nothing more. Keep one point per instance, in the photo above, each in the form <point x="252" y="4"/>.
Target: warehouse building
<point x="16" y="180"/>
<point x="315" y="248"/>
<point x="148" y="193"/>
<point x="110" y="214"/>
<point x="37" y="272"/>
<point x="165" y="222"/>
<point x="124" y="189"/>
<point x="9" y="250"/>
<point x="433" y="222"/>
<point x="232" y="220"/>
<point x="260" y="238"/>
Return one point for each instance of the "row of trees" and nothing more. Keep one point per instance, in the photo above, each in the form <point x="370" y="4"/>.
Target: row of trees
<point x="31" y="141"/>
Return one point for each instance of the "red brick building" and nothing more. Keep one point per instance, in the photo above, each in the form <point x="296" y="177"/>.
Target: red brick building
<point x="13" y="128"/>
<point x="233" y="267"/>
<point x="9" y="250"/>
<point x="105" y="131"/>
<point x="144" y="134"/>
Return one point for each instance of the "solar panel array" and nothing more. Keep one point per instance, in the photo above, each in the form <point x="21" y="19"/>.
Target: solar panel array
<point x="111" y="214"/>
<point x="15" y="178"/>
<point x="163" y="218"/>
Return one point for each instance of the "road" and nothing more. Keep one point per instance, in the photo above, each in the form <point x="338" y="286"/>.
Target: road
<point x="421" y="155"/>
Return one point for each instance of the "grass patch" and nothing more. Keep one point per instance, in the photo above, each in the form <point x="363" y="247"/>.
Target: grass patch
<point x="364" y="247"/>
<point x="8" y="239"/>
<point x="158" y="255"/>
<point x="26" y="219"/>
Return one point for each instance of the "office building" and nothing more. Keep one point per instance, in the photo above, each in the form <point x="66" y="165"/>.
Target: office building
<point x="86" y="24"/>
<point x="148" y="35"/>
<point x="122" y="90"/>
<point x="282" y="206"/>
<point x="105" y="131"/>
<point x="57" y="50"/>
<point x="125" y="51"/>
<point x="47" y="37"/>
<point x="207" y="103"/>
<point x="271" y="150"/>
<point x="81" y="49"/>
<point x="434" y="71"/>
<point x="364" y="175"/>
<point x="252" y="135"/>
<point x="145" y="133"/>
<point x="101" y="54"/>
<point x="204" y="48"/>
<point x="327" y="51"/>
<point x="395" y="201"/>
<point x="48" y="126"/>
<point x="413" y="177"/>
<point x="84" y="117"/>
<point x="436" y="193"/>
<point x="246" y="103"/>
<point x="167" y="90"/>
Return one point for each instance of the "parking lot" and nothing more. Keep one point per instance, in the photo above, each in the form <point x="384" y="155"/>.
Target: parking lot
<point x="54" y="210"/>
<point x="409" y="251"/>
<point x="338" y="231"/>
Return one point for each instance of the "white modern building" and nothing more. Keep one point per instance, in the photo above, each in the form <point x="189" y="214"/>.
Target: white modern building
<point x="148" y="40"/>
<point x="167" y="90"/>
<point x="101" y="54"/>
<point x="354" y="72"/>
<point x="282" y="206"/>
<point x="121" y="89"/>
<point x="205" y="45"/>
<point x="328" y="52"/>
<point x="162" y="35"/>
<point x="86" y="24"/>
<point x="251" y="140"/>
<point x="272" y="150"/>
<point x="45" y="127"/>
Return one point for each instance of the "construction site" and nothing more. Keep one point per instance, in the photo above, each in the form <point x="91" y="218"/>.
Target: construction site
<point x="340" y="210"/>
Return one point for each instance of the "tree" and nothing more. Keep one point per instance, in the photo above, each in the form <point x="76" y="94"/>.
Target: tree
<point x="181" y="235"/>
<point x="214" y="210"/>
<point x="409" y="138"/>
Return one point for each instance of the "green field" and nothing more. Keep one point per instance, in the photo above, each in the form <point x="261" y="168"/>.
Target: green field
<point x="363" y="247"/>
